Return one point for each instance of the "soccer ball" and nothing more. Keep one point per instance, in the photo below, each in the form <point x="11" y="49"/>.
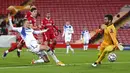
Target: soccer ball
<point x="112" y="57"/>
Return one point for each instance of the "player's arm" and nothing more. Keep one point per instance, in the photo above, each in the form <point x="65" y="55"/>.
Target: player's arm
<point x="115" y="41"/>
<point x="43" y="26"/>
<point x="113" y="37"/>
<point x="11" y="24"/>
<point x="89" y="35"/>
<point x="40" y="31"/>
<point x="63" y="32"/>
<point x="56" y="28"/>
<point x="34" y="27"/>
<point x="81" y="37"/>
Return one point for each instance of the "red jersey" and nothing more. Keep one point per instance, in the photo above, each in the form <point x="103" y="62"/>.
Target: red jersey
<point x="33" y="22"/>
<point x="30" y="18"/>
<point x="28" y="14"/>
<point x="48" y="23"/>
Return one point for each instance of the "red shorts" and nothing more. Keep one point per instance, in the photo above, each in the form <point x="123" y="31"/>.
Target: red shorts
<point x="19" y="38"/>
<point x="48" y="36"/>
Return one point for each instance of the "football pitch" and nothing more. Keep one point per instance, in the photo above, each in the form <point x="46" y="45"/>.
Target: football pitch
<point x="79" y="62"/>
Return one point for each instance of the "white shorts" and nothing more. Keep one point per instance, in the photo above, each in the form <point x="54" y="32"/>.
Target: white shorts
<point x="34" y="47"/>
<point x="85" y="41"/>
<point x="67" y="39"/>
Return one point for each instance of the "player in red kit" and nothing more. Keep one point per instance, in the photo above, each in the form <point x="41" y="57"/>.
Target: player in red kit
<point x="32" y="18"/>
<point x="28" y="14"/>
<point x="49" y="36"/>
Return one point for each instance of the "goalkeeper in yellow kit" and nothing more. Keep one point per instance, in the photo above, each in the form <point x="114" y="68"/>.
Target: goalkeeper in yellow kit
<point x="110" y="42"/>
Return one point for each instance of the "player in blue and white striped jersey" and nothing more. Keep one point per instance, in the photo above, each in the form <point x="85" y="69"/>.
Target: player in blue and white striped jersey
<point x="67" y="33"/>
<point x="26" y="32"/>
<point x="85" y="36"/>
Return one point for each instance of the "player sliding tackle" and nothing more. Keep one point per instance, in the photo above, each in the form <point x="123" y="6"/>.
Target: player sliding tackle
<point x="26" y="32"/>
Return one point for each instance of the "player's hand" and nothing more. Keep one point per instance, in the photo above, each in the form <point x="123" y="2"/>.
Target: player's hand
<point x="120" y="47"/>
<point x="9" y="17"/>
<point x="59" y="31"/>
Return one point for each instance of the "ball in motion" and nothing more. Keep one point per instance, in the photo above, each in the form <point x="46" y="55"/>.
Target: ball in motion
<point x="112" y="57"/>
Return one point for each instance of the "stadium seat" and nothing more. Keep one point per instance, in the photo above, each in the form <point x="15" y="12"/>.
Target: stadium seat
<point x="78" y="12"/>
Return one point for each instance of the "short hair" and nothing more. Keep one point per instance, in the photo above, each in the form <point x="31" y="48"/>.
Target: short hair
<point x="32" y="9"/>
<point x="109" y="16"/>
<point x="23" y="21"/>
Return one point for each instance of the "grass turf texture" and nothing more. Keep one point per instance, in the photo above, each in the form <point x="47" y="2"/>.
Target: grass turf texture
<point x="79" y="62"/>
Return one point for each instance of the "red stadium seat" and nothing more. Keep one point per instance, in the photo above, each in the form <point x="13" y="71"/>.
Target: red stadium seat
<point x="78" y="12"/>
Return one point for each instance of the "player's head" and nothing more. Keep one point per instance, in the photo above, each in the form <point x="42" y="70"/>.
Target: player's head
<point x="48" y="15"/>
<point x="108" y="19"/>
<point x="34" y="12"/>
<point x="67" y="23"/>
<point x="26" y="23"/>
<point x="84" y="28"/>
<point x="32" y="6"/>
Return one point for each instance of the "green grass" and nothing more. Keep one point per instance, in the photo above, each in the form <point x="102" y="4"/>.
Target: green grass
<point x="79" y="62"/>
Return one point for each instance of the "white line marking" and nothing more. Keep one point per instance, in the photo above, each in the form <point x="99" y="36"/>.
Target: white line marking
<point x="16" y="67"/>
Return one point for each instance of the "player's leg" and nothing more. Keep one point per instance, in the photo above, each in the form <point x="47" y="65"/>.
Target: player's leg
<point x="68" y="46"/>
<point x="19" y="46"/>
<point x="36" y="48"/>
<point x="54" y="42"/>
<point x="46" y="39"/>
<point x="46" y="58"/>
<point x="40" y="60"/>
<point x="86" y="46"/>
<point x="108" y="49"/>
<point x="69" y="39"/>
<point x="71" y="48"/>
<point x="43" y="57"/>
<point x="12" y="48"/>
<point x="44" y="47"/>
<point x="102" y="47"/>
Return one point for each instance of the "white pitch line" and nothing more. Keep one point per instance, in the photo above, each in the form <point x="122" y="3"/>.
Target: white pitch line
<point x="16" y="67"/>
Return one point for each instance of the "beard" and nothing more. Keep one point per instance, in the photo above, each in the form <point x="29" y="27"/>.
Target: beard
<point x="107" y="23"/>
